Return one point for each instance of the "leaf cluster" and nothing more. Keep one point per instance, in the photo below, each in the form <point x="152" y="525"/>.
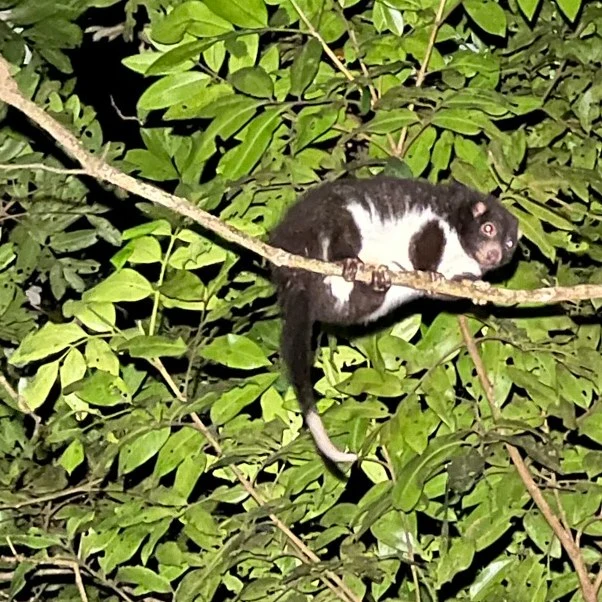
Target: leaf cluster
<point x="116" y="340"/>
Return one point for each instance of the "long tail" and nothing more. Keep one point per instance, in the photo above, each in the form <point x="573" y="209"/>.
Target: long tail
<point x="297" y="353"/>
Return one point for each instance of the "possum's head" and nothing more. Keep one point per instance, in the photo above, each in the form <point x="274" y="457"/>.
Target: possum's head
<point x="488" y="232"/>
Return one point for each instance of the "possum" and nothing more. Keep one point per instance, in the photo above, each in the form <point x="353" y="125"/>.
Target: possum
<point x="394" y="224"/>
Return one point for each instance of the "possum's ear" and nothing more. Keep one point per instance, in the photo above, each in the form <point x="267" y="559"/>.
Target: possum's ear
<point x="478" y="209"/>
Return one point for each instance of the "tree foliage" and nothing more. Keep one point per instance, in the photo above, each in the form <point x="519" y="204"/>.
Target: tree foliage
<point x="151" y="447"/>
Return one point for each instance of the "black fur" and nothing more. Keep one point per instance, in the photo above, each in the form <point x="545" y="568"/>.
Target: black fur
<point x="426" y="247"/>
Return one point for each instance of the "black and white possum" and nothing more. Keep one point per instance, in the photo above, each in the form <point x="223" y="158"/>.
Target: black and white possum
<point x="392" y="223"/>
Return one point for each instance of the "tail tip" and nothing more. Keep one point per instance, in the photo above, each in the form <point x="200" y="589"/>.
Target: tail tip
<point x="323" y="442"/>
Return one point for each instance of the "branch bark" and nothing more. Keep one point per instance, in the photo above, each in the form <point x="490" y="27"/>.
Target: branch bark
<point x="479" y="292"/>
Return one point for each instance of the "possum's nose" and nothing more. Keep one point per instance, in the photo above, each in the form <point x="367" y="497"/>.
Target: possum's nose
<point x="494" y="256"/>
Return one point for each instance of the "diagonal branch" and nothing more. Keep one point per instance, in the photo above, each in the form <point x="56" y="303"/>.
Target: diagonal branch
<point x="588" y="589"/>
<point x="96" y="167"/>
<point x="304" y="552"/>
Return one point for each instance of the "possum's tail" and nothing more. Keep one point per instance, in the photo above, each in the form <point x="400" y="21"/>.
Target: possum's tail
<point x="297" y="353"/>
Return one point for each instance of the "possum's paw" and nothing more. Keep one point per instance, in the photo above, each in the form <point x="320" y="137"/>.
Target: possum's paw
<point x="381" y="279"/>
<point x="350" y="267"/>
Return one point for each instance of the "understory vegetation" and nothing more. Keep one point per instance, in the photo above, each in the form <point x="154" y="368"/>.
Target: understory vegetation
<point x="151" y="447"/>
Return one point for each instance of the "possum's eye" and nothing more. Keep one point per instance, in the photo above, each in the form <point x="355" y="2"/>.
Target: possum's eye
<point x="509" y="243"/>
<point x="488" y="229"/>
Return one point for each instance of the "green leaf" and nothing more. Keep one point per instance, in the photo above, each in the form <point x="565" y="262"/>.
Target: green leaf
<point x="489" y="575"/>
<point x="456" y="120"/>
<point x="412" y="477"/>
<point x="73" y="367"/>
<point x="50" y="339"/>
<point x="37" y="389"/>
<point x="375" y="382"/>
<point x="73" y="456"/>
<point x="253" y="81"/>
<point x="386" y="122"/>
<point x="7" y="255"/>
<point x="532" y="229"/>
<point x="387" y="17"/>
<point x="145" y="249"/>
<point x="305" y="66"/>
<point x="99" y="354"/>
<point x="244" y="13"/>
<point x="591" y="426"/>
<point x="183" y="285"/>
<point x="193" y="17"/>
<point x="173" y="89"/>
<point x="570" y="8"/>
<point x="178" y="59"/>
<point x="529" y="7"/>
<point x="98" y="317"/>
<point x="488" y="15"/>
<point x="312" y="124"/>
<point x="101" y="389"/>
<point x="68" y="242"/>
<point x="154" y="346"/>
<point x="188" y="473"/>
<point x="186" y="442"/>
<point x="541" y="534"/>
<point x="235" y="351"/>
<point x="124" y="285"/>
<point x="458" y="558"/>
<point x="147" y="580"/>
<point x="256" y="138"/>
<point x="231" y="403"/>
<point x="141" y="449"/>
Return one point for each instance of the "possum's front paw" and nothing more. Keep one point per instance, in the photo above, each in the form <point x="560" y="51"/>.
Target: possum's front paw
<point x="381" y="279"/>
<point x="435" y="276"/>
<point x="350" y="267"/>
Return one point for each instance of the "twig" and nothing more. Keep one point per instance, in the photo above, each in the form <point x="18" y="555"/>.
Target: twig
<point x="51" y="496"/>
<point x="73" y="565"/>
<point x="588" y="589"/>
<point x="42" y="167"/>
<point x="400" y="150"/>
<point x="374" y="94"/>
<point x="478" y="292"/>
<point x="316" y="34"/>
<point x="337" y="586"/>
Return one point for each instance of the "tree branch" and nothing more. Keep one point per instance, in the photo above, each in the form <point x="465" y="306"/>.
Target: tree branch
<point x="402" y="148"/>
<point x="67" y="563"/>
<point x="306" y="554"/>
<point x="588" y="589"/>
<point x="479" y="292"/>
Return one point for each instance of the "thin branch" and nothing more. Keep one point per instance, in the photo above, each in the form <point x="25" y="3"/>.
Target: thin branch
<point x="68" y="563"/>
<point x="42" y="167"/>
<point x="330" y="579"/>
<point x="588" y="589"/>
<point x="479" y="292"/>
<point x="316" y="34"/>
<point x="400" y="150"/>
<point x="52" y="496"/>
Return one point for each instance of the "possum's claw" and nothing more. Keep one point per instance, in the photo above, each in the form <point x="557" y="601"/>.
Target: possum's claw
<point x="381" y="279"/>
<point x="350" y="267"/>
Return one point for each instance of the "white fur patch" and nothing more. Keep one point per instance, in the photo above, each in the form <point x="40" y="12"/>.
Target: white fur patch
<point x="455" y="260"/>
<point x="340" y="289"/>
<point x="387" y="242"/>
